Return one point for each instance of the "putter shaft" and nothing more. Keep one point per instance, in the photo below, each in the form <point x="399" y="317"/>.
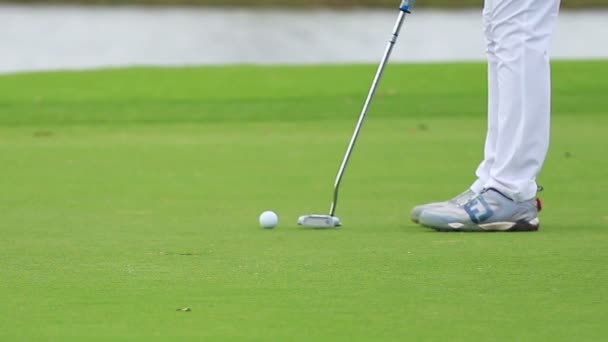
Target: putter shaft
<point x="405" y="5"/>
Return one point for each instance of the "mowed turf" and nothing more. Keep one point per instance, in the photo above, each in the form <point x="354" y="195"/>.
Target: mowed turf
<point x="127" y="195"/>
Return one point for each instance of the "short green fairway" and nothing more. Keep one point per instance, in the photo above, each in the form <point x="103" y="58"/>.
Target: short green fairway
<point x="129" y="194"/>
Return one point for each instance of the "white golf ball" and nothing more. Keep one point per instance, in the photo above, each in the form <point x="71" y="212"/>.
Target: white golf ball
<point x="269" y="219"/>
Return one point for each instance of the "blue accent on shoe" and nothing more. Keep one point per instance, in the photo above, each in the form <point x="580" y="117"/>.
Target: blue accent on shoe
<point x="478" y="209"/>
<point x="500" y="193"/>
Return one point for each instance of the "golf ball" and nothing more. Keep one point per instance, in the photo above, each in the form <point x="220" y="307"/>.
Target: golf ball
<point x="269" y="219"/>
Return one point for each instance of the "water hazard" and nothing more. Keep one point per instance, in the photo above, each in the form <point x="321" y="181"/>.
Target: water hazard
<point x="41" y="37"/>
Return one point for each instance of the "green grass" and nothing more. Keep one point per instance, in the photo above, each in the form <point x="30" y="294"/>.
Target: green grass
<point x="127" y="194"/>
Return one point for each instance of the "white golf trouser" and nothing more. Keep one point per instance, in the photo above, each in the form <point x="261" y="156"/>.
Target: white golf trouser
<point x="518" y="35"/>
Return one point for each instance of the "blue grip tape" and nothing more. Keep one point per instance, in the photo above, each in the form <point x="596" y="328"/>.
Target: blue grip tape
<point x="406" y="4"/>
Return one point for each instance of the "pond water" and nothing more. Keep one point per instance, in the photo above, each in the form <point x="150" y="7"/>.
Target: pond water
<point x="72" y="37"/>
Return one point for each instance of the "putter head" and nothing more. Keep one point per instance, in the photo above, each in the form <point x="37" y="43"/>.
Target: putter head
<point x="319" y="221"/>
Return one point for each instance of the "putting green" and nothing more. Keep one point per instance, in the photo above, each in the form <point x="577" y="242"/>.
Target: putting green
<point x="129" y="195"/>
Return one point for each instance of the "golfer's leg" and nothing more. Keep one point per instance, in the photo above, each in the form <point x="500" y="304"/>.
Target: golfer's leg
<point x="522" y="30"/>
<point x="483" y="171"/>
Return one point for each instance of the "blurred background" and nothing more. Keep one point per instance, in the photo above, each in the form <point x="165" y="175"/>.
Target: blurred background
<point x="69" y="34"/>
<point x="307" y="3"/>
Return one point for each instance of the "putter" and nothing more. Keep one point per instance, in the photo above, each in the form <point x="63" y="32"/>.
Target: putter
<point x="332" y="221"/>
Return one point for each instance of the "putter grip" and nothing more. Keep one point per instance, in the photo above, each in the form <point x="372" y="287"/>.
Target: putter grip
<point x="406" y="4"/>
